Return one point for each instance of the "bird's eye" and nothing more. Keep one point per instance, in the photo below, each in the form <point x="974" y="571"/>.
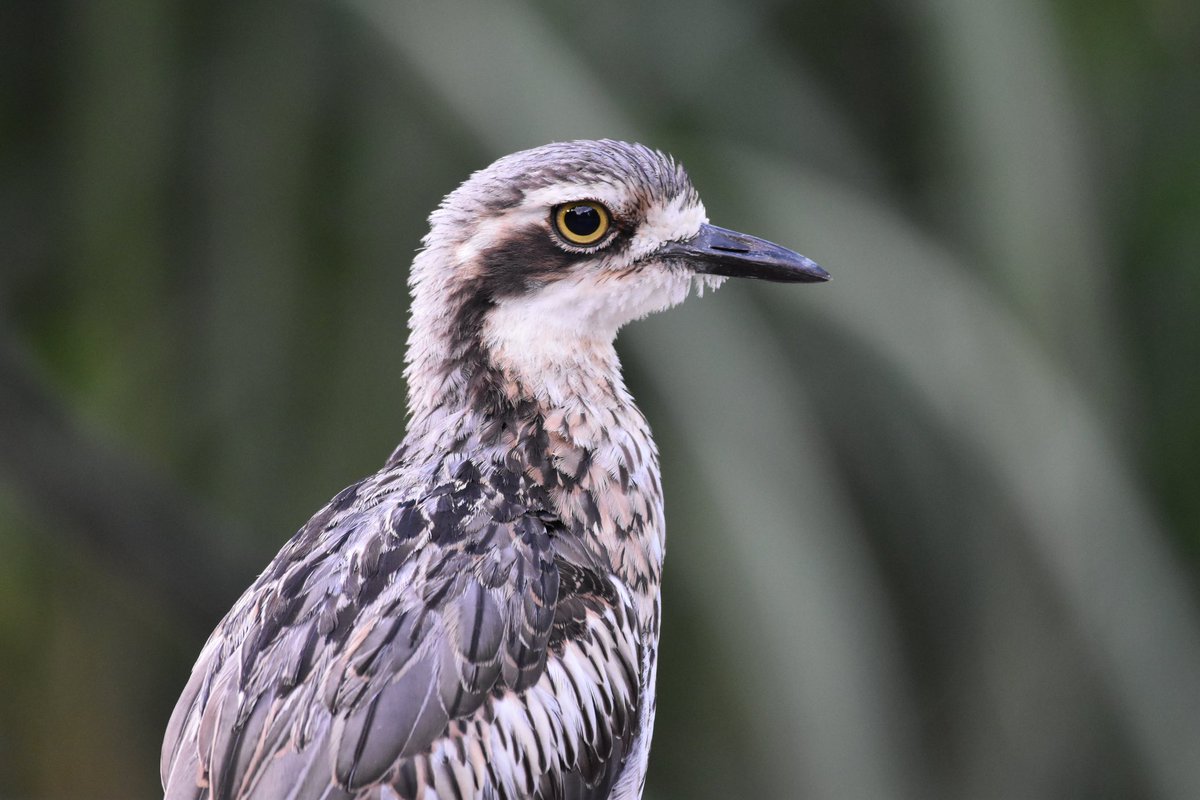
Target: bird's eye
<point x="582" y="223"/>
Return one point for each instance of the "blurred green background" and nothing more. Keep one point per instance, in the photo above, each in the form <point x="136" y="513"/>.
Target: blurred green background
<point x="934" y="528"/>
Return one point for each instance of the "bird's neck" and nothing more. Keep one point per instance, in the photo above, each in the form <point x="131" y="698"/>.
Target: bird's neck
<point x="563" y="414"/>
<point x="522" y="376"/>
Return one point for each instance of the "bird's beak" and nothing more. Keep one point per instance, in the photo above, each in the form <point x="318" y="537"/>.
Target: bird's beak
<point x="717" y="251"/>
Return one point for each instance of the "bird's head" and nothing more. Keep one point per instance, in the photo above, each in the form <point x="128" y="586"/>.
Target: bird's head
<point x="532" y="265"/>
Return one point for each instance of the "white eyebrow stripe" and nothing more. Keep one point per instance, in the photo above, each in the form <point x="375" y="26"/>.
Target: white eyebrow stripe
<point x="600" y="191"/>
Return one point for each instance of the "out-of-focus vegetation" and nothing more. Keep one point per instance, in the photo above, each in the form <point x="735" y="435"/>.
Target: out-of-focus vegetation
<point x="933" y="526"/>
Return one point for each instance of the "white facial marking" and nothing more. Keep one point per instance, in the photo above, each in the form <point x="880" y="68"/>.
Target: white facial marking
<point x="677" y="220"/>
<point x="590" y="306"/>
<point x="574" y="319"/>
<point x="548" y="197"/>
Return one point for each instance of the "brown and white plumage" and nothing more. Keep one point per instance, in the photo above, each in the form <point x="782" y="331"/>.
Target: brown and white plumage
<point x="479" y="619"/>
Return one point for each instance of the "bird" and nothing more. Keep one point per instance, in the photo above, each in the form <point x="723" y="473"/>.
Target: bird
<point x="480" y="618"/>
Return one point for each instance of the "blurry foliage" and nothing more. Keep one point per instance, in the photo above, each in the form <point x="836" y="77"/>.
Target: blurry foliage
<point x="933" y="527"/>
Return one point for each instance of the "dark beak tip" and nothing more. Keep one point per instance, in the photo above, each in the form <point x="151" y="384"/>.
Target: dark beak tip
<point x="819" y="274"/>
<point x="795" y="270"/>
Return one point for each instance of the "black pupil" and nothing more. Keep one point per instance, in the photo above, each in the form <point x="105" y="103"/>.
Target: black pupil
<point x="582" y="220"/>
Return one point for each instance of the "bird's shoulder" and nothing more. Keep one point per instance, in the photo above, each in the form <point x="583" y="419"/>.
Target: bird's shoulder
<point x="434" y="632"/>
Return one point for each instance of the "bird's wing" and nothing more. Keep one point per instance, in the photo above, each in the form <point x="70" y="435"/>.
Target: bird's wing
<point x="444" y="641"/>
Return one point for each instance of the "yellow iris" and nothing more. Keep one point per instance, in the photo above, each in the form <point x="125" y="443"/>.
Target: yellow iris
<point x="582" y="223"/>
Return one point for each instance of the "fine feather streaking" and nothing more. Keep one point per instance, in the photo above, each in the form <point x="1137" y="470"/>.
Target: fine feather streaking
<point x="480" y="618"/>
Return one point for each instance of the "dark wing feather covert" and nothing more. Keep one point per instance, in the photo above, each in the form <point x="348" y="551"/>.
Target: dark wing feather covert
<point x="433" y="639"/>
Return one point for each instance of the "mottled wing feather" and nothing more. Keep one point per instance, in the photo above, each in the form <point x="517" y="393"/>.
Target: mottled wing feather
<point x="415" y="639"/>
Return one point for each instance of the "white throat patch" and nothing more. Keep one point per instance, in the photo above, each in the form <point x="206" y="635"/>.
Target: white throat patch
<point x="577" y="316"/>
